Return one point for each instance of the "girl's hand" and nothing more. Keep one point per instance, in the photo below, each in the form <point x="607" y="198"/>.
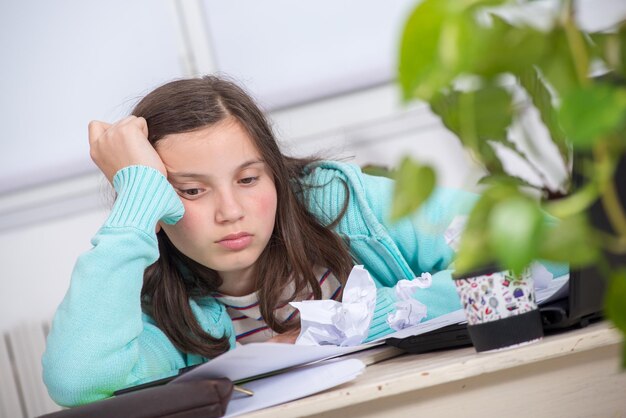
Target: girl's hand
<point x="125" y="143"/>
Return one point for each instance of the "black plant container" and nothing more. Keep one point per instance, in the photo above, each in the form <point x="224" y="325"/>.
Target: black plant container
<point x="587" y="285"/>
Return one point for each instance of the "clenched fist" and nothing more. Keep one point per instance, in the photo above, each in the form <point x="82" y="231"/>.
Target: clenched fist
<point x="125" y="143"/>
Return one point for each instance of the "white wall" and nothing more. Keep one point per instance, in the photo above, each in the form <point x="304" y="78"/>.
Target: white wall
<point x="66" y="62"/>
<point x="63" y="64"/>
<point x="36" y="265"/>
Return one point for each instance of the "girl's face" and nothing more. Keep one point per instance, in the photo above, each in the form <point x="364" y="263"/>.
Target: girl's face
<point x="229" y="197"/>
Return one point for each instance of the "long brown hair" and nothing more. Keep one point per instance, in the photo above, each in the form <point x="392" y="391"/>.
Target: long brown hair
<point x="298" y="243"/>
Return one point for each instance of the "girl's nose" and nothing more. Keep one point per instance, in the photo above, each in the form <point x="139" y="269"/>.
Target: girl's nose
<point x="228" y="209"/>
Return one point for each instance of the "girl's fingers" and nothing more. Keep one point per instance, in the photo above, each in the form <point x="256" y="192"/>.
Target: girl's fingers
<point x="144" y="126"/>
<point x="97" y="129"/>
<point x="122" y="144"/>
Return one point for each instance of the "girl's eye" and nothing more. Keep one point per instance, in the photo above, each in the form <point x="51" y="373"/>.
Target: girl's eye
<point x="190" y="192"/>
<point x="248" y="180"/>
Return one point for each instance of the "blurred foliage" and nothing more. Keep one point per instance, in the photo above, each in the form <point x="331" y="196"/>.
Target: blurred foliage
<point x="410" y="194"/>
<point x="479" y="68"/>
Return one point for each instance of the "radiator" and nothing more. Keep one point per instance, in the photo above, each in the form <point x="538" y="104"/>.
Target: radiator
<point x="22" y="392"/>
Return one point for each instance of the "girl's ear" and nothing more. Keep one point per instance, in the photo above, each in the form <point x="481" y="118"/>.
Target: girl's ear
<point x="158" y="227"/>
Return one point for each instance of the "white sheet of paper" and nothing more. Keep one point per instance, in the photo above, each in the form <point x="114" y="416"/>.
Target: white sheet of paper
<point x="454" y="317"/>
<point x="258" y="358"/>
<point x="294" y="384"/>
<point x="541" y="276"/>
<point x="556" y="289"/>
<point x="344" y="323"/>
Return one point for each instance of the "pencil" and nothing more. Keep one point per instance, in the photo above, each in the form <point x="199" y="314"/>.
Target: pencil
<point x="243" y="390"/>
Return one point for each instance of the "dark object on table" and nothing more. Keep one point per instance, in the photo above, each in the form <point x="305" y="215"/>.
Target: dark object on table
<point x="198" y="398"/>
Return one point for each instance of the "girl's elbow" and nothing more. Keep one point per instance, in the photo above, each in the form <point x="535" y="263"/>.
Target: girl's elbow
<point x="70" y="386"/>
<point x="69" y="391"/>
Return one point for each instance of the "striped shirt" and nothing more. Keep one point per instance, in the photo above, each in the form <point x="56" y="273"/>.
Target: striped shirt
<point x="246" y="315"/>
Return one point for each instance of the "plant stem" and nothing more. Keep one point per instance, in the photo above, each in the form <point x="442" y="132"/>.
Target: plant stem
<point x="611" y="243"/>
<point x="610" y="200"/>
<point x="466" y="119"/>
<point x="576" y="44"/>
<point x="613" y="208"/>
<point x="574" y="203"/>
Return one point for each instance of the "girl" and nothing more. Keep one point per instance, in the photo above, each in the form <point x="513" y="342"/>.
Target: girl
<point x="213" y="232"/>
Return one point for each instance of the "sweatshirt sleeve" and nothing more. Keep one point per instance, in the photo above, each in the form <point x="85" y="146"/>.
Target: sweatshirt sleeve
<point x="420" y="236"/>
<point x="439" y="298"/>
<point x="100" y="339"/>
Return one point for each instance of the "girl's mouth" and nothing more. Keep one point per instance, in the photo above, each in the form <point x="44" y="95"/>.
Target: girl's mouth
<point x="236" y="242"/>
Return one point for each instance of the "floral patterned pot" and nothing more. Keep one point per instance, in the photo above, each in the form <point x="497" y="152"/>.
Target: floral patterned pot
<point x="500" y="308"/>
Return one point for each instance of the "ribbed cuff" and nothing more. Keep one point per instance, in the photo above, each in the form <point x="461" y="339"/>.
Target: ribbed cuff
<point x="385" y="304"/>
<point x="144" y="197"/>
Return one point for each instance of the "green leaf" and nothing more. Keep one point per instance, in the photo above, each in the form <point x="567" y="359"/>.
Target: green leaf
<point x="493" y="179"/>
<point x="473" y="252"/>
<point x="542" y="99"/>
<point x="504" y="48"/>
<point x="493" y="112"/>
<point x="611" y="48"/>
<point x="420" y="49"/>
<point x="436" y="45"/>
<point x="477" y="117"/>
<point x="557" y="64"/>
<point x="516" y="228"/>
<point x="472" y="5"/>
<point x="484" y="114"/>
<point x="591" y="112"/>
<point x="377" y="170"/>
<point x="474" y="249"/>
<point x="445" y="104"/>
<point x="489" y="158"/>
<point x="571" y="240"/>
<point x="414" y="184"/>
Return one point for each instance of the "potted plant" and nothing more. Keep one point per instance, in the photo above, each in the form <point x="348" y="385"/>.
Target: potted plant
<point x="483" y="67"/>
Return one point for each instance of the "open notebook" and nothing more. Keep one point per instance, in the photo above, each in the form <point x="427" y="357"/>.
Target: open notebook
<point x="553" y="304"/>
